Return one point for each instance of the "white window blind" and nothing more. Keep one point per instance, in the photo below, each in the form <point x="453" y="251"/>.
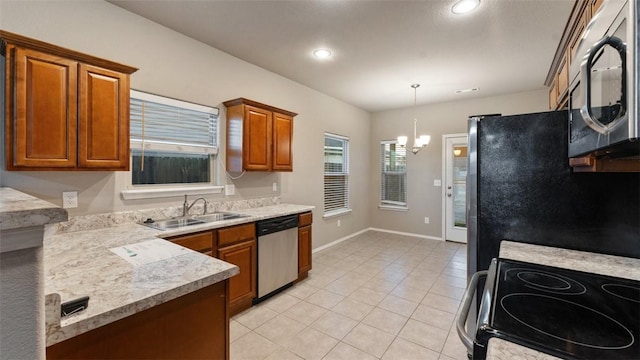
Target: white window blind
<point x="165" y="124"/>
<point x="336" y="174"/>
<point x="393" y="185"/>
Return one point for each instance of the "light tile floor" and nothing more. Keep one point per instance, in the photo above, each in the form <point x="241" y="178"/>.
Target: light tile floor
<point x="375" y="296"/>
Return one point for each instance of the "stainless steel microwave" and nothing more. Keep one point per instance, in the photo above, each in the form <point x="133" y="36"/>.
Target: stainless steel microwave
<point x="603" y="102"/>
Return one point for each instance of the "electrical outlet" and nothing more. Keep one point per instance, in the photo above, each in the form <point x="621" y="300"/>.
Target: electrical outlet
<point x="437" y="182"/>
<point x="339" y="223"/>
<point x="275" y="187"/>
<point x="426" y="220"/>
<point x="229" y="190"/>
<point x="69" y="199"/>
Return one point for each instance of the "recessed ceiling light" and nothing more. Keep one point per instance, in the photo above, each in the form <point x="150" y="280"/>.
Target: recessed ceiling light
<point x="464" y="6"/>
<point x="322" y="53"/>
<point x="467" y="90"/>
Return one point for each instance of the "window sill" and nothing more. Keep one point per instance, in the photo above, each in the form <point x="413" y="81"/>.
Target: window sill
<point x="336" y="213"/>
<point x="138" y="194"/>
<point x="393" y="208"/>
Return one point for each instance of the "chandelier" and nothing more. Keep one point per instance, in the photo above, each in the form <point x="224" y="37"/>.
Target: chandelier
<point x="418" y="142"/>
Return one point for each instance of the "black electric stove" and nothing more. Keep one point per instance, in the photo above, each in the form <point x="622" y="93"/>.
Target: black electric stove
<point x="565" y="313"/>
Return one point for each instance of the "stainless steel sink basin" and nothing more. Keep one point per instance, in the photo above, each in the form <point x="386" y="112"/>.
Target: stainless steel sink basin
<point x="196" y="220"/>
<point x="174" y="223"/>
<point x="219" y="216"/>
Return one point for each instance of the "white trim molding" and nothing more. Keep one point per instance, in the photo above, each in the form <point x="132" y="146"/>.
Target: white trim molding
<point x="137" y="194"/>
<point x="336" y="242"/>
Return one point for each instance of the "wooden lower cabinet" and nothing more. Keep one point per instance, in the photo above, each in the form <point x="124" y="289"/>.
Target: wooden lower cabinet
<point x="193" y="326"/>
<point x="237" y="245"/>
<point x="242" y="287"/>
<point x="304" y="245"/>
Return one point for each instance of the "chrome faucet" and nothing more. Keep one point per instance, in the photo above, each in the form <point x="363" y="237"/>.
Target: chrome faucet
<point x="186" y="207"/>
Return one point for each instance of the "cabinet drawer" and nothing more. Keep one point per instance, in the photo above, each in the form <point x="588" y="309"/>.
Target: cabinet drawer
<point x="201" y="242"/>
<point x="234" y="234"/>
<point x="305" y="219"/>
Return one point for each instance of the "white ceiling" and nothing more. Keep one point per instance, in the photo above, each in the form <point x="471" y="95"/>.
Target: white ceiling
<point x="380" y="47"/>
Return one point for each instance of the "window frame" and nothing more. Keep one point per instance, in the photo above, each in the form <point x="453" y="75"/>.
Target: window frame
<point x="148" y="191"/>
<point x="345" y="161"/>
<point x="390" y="204"/>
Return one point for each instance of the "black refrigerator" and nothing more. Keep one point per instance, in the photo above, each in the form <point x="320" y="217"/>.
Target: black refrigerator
<point x="520" y="188"/>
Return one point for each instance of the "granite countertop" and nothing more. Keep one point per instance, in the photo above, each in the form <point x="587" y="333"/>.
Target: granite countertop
<point x="628" y="268"/>
<point x="19" y="210"/>
<point x="81" y="263"/>
<point x="617" y="266"/>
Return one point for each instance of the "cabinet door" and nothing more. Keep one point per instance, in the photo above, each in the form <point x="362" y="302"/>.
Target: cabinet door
<point x="242" y="287"/>
<point x="563" y="77"/>
<point x="282" y="142"/>
<point x="304" y="251"/>
<point x="43" y="132"/>
<point x="104" y="119"/>
<point x="257" y="138"/>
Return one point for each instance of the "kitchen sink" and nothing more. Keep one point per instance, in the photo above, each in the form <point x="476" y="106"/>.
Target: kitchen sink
<point x="219" y="216"/>
<point x="173" y="223"/>
<point x="189" y="221"/>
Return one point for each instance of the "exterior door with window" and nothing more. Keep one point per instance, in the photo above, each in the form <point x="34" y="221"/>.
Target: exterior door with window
<point x="455" y="175"/>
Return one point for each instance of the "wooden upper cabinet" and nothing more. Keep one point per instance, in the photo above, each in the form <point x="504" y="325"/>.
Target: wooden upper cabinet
<point x="259" y="137"/>
<point x="44" y="130"/>
<point x="282" y="142"/>
<point x="64" y="110"/>
<point x="595" y="5"/>
<point x="104" y="118"/>
<point x="563" y="78"/>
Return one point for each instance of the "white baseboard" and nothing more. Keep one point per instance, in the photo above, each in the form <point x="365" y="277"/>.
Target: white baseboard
<point x="336" y="242"/>
<point x="407" y="234"/>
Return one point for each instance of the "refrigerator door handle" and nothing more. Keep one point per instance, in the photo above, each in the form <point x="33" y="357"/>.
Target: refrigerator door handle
<point x="467" y="339"/>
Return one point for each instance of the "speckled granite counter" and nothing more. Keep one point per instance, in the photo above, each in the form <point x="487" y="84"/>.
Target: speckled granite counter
<point x="499" y="349"/>
<point x="622" y="267"/>
<point x="79" y="263"/>
<point x="19" y="210"/>
<point x="22" y="219"/>
<point x="609" y="265"/>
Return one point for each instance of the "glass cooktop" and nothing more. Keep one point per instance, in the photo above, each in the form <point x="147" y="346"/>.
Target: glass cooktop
<point x="567" y="313"/>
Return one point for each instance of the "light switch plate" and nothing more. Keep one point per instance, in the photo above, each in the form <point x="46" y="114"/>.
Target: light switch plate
<point x="229" y="190"/>
<point x="437" y="182"/>
<point x="69" y="199"/>
<point x="275" y="187"/>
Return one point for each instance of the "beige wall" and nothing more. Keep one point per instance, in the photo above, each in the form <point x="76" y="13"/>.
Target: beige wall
<point x="424" y="199"/>
<point x="176" y="66"/>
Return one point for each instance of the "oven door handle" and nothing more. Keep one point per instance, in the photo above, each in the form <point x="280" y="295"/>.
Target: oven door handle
<point x="467" y="339"/>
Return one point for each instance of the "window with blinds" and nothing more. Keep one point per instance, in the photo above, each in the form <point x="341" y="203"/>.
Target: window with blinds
<point x="336" y="174"/>
<point x="393" y="185"/>
<point x="172" y="141"/>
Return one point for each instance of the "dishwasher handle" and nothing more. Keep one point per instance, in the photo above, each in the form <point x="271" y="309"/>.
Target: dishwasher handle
<point x="467" y="339"/>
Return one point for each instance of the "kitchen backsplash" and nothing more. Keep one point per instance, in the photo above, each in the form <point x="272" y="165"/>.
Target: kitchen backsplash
<point x="99" y="221"/>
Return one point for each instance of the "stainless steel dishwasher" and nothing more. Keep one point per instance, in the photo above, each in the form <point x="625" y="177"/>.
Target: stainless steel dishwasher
<point x="277" y="254"/>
